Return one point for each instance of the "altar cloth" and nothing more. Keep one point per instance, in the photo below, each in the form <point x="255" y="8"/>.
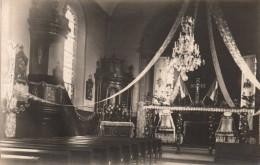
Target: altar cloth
<point x="115" y="128"/>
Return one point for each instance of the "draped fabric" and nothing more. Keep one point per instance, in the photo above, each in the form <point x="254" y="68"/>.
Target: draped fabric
<point x="216" y="63"/>
<point x="230" y="43"/>
<point x="180" y="88"/>
<point x="8" y="101"/>
<point x="141" y="121"/>
<point x="159" y="52"/>
<point x="213" y="91"/>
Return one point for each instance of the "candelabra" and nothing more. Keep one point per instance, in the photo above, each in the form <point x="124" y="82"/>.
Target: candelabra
<point x="186" y="55"/>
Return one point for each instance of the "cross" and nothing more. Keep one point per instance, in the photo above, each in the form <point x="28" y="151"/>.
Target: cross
<point x="197" y="87"/>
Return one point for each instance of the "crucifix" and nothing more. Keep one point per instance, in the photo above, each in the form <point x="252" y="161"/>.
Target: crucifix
<point x="197" y="87"/>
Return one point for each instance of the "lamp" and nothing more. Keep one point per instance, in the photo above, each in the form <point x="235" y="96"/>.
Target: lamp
<point x="186" y="55"/>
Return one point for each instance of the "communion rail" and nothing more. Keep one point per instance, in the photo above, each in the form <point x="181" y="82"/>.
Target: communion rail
<point x="145" y="124"/>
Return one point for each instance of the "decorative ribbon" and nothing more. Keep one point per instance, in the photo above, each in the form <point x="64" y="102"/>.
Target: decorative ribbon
<point x="215" y="61"/>
<point x="159" y="52"/>
<point x="231" y="45"/>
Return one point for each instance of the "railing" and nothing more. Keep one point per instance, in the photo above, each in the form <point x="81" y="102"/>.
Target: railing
<point x="144" y="115"/>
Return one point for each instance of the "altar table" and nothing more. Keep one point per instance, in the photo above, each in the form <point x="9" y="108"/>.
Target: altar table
<point x="144" y="119"/>
<point x="116" y="128"/>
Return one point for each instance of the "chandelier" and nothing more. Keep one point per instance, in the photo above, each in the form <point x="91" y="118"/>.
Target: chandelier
<point x="186" y="55"/>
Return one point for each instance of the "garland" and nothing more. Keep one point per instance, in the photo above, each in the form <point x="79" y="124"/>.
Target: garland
<point x="83" y="118"/>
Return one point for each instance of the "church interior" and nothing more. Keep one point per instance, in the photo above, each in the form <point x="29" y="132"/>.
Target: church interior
<point x="130" y="82"/>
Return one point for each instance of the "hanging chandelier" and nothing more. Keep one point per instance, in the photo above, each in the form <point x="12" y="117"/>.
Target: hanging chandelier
<point x="186" y="55"/>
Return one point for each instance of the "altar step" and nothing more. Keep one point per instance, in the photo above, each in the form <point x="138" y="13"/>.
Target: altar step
<point x="188" y="155"/>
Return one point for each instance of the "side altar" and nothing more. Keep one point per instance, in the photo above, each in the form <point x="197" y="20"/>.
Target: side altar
<point x="114" y="114"/>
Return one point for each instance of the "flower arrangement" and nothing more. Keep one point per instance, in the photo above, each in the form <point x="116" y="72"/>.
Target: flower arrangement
<point x="113" y="112"/>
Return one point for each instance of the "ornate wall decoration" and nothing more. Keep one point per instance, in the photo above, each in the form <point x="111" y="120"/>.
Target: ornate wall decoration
<point x="89" y="87"/>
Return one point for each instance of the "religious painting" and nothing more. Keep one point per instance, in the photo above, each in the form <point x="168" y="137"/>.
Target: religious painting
<point x="89" y="86"/>
<point x="110" y="92"/>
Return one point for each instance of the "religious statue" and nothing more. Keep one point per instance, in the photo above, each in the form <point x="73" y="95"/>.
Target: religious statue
<point x="89" y="86"/>
<point x="57" y="71"/>
<point x="20" y="66"/>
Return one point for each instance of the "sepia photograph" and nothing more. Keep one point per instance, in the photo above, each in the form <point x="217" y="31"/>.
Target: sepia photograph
<point x="130" y="82"/>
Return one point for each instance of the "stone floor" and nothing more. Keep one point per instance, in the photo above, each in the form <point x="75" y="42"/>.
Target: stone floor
<point x="188" y="155"/>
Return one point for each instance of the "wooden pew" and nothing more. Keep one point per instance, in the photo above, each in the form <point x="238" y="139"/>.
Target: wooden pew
<point x="115" y="150"/>
<point x="87" y="152"/>
<point x="19" y="160"/>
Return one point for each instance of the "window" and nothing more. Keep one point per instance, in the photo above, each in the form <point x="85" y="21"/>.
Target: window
<point x="70" y="48"/>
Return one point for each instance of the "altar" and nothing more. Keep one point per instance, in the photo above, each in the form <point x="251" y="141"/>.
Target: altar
<point x="145" y="121"/>
<point x="110" y="128"/>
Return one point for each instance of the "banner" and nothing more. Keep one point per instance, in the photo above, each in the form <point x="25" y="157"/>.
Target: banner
<point x="248" y="89"/>
<point x="163" y="81"/>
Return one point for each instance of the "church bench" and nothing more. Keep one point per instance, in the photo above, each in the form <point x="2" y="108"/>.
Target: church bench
<point x="142" y="148"/>
<point x="78" y="153"/>
<point x="19" y="160"/>
<point x="96" y="144"/>
<point x="45" y="156"/>
<point x="126" y="148"/>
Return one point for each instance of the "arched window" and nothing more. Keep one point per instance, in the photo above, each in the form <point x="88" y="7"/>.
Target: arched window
<point x="70" y="48"/>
